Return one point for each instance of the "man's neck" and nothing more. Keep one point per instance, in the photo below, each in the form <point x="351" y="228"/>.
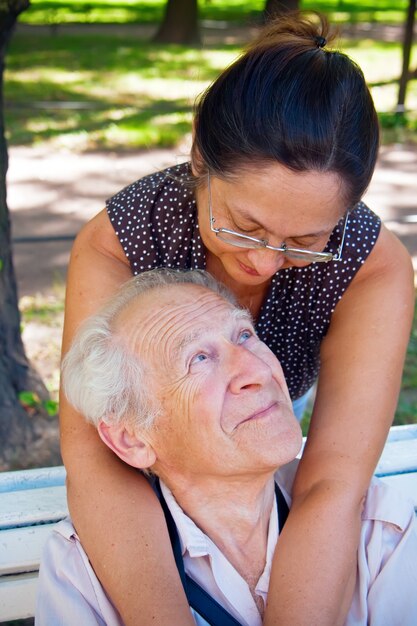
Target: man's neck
<point x="235" y="514"/>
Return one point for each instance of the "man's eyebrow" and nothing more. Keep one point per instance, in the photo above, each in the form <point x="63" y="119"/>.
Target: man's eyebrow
<point x="189" y="337"/>
<point x="194" y="335"/>
<point x="243" y="314"/>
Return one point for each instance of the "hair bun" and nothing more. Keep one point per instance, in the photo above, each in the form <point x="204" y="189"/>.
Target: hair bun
<point x="320" y="41"/>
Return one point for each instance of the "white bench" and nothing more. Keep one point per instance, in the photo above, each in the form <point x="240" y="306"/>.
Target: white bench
<point x="33" y="501"/>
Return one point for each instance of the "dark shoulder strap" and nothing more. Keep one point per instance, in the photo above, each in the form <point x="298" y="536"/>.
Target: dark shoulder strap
<point x="208" y="607"/>
<point x="283" y="509"/>
<point x="173" y="534"/>
<point x="198" y="598"/>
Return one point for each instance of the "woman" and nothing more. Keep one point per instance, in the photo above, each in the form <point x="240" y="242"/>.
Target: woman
<point x="285" y="143"/>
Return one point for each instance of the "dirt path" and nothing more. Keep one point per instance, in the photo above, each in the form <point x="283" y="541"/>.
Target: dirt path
<point x="213" y="32"/>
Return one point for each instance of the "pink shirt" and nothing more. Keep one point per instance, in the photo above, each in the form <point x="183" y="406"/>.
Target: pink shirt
<point x="386" y="589"/>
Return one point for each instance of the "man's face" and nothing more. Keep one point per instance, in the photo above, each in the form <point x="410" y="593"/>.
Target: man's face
<point x="225" y="404"/>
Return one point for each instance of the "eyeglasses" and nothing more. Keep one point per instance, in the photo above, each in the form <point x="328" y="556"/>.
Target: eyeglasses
<point x="245" y="241"/>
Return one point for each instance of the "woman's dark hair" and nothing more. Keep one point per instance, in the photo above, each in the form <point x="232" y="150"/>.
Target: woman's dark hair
<point x="288" y="99"/>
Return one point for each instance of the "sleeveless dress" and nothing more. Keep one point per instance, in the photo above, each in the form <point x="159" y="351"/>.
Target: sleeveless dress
<point x="155" y="219"/>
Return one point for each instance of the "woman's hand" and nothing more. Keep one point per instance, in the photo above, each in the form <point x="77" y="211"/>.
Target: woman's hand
<point x="361" y="367"/>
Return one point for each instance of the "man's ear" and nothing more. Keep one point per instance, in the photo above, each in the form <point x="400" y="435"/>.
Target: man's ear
<point x="129" y="446"/>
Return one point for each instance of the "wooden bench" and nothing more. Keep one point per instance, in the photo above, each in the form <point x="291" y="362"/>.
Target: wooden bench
<point x="33" y="501"/>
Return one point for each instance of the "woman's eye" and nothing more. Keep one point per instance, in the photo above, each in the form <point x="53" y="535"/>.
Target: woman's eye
<point x="251" y="230"/>
<point x="245" y="335"/>
<point x="246" y="231"/>
<point x="240" y="228"/>
<point x="311" y="242"/>
<point x="300" y="244"/>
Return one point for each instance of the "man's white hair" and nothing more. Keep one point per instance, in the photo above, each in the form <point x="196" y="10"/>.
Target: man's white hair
<point x="101" y="378"/>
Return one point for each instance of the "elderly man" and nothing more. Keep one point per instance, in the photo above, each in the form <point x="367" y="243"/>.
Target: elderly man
<point x="176" y="381"/>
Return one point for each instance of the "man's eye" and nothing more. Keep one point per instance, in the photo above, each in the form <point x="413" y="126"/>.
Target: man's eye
<point x="199" y="358"/>
<point x="245" y="335"/>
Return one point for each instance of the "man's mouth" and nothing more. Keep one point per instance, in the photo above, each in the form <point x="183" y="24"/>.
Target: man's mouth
<point x="262" y="413"/>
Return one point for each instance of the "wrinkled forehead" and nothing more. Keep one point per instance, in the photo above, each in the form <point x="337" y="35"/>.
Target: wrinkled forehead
<point x="170" y="317"/>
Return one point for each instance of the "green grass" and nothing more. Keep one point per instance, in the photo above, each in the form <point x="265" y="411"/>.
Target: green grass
<point x="128" y="93"/>
<point x="407" y="405"/>
<point x="381" y="62"/>
<point x="42" y="320"/>
<point x="112" y="91"/>
<point x="45" y="310"/>
<point x="237" y="11"/>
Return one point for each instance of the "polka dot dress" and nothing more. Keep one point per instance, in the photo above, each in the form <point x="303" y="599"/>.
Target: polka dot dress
<point x="155" y="220"/>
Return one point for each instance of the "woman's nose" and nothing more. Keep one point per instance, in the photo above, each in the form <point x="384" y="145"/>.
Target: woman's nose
<point x="266" y="262"/>
<point x="247" y="370"/>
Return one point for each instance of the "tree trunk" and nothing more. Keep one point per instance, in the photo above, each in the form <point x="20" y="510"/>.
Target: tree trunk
<point x="273" y="8"/>
<point x="407" y="43"/>
<point x="180" y="23"/>
<point x="26" y="440"/>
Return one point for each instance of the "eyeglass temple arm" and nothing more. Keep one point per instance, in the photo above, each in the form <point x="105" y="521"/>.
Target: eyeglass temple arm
<point x="212" y="219"/>
<point x="338" y="255"/>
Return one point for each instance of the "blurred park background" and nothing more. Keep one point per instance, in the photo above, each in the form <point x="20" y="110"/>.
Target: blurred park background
<point x="89" y="75"/>
<point x="98" y="93"/>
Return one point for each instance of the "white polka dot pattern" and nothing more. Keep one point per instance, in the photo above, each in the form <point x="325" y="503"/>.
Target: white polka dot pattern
<point x="156" y="222"/>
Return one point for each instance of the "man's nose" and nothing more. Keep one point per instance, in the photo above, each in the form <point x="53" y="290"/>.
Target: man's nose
<point x="247" y="370"/>
<point x="266" y="262"/>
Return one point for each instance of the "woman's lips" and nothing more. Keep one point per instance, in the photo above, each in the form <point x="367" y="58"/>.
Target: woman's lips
<point x="248" y="270"/>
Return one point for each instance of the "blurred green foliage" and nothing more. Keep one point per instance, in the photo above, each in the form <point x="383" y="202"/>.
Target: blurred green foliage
<point x="32" y="403"/>
<point x="108" y="87"/>
<point x="407" y="405"/>
<point x="111" y="90"/>
<point x="237" y="11"/>
<point x="107" y="91"/>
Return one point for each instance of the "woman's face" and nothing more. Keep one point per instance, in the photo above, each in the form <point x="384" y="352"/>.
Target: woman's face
<point x="274" y="203"/>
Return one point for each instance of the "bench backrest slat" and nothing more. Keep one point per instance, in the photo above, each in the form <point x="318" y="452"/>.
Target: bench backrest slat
<point x="18" y="596"/>
<point x="32" y="478"/>
<point x="22" y="548"/>
<point x="399" y="433"/>
<point x="398" y="457"/>
<point x="32" y="506"/>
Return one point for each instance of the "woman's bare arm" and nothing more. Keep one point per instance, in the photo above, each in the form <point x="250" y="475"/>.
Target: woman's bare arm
<point x="361" y="367"/>
<point x="117" y="516"/>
